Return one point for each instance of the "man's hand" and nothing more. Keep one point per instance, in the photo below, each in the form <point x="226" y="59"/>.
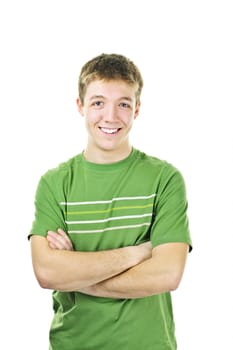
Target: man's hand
<point x="59" y="267"/>
<point x="59" y="240"/>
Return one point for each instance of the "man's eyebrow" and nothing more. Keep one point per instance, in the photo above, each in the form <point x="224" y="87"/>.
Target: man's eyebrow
<point x="96" y="96"/>
<point x="126" y="98"/>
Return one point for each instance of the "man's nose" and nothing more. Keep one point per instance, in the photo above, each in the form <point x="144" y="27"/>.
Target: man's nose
<point x="110" y="114"/>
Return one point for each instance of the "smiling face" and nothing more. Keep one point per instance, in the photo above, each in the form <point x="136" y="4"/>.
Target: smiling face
<point x="109" y="108"/>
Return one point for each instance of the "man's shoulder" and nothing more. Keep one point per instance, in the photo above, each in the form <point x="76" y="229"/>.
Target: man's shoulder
<point x="152" y="161"/>
<point x="62" y="169"/>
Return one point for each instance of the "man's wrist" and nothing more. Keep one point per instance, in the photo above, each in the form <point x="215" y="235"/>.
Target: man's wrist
<point x="132" y="256"/>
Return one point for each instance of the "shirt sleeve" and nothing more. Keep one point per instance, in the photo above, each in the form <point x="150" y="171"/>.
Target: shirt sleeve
<point x="171" y="220"/>
<point x="48" y="213"/>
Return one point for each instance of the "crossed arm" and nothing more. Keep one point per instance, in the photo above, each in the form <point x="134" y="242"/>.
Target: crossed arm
<point x="129" y="272"/>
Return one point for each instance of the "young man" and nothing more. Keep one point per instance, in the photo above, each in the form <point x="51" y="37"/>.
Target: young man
<point x="110" y="235"/>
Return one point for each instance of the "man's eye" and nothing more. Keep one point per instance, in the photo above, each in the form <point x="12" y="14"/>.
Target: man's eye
<point x="98" y="103"/>
<point x="124" y="105"/>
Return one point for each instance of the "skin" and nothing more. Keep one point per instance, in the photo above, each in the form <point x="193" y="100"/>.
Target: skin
<point x="57" y="267"/>
<point x="160" y="272"/>
<point x="109" y="109"/>
<point x="108" y="105"/>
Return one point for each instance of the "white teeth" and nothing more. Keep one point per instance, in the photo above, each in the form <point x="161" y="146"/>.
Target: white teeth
<point x="109" y="131"/>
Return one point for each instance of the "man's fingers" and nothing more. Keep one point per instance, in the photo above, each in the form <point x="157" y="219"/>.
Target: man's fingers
<point x="52" y="246"/>
<point x="55" y="241"/>
<point x="66" y="238"/>
<point x="59" y="240"/>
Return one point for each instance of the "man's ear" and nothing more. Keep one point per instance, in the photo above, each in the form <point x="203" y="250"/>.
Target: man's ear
<point x="80" y="106"/>
<point x="137" y="109"/>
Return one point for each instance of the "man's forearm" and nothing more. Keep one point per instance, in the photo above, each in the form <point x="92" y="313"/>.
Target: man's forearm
<point x="137" y="282"/>
<point x="159" y="274"/>
<point x="70" y="271"/>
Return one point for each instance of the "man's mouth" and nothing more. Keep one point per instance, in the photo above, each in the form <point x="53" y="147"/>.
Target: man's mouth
<point x="109" y="131"/>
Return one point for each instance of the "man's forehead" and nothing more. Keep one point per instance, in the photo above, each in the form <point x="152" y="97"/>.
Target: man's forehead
<point x="101" y="88"/>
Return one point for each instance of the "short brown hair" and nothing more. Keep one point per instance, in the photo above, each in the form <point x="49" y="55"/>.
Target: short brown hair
<point x="109" y="67"/>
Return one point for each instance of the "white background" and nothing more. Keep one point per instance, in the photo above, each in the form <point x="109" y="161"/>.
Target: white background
<point x="184" y="51"/>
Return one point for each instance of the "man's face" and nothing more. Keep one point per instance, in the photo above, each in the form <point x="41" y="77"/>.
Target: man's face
<point x="109" y="109"/>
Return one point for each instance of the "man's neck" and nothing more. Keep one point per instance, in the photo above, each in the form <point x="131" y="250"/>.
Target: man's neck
<point x="105" y="156"/>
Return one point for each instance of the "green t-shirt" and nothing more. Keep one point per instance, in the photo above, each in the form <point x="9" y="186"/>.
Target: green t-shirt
<point x="107" y="206"/>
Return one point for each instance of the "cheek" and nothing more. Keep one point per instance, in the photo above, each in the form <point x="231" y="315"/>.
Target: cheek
<point x="128" y="119"/>
<point x="92" y="118"/>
